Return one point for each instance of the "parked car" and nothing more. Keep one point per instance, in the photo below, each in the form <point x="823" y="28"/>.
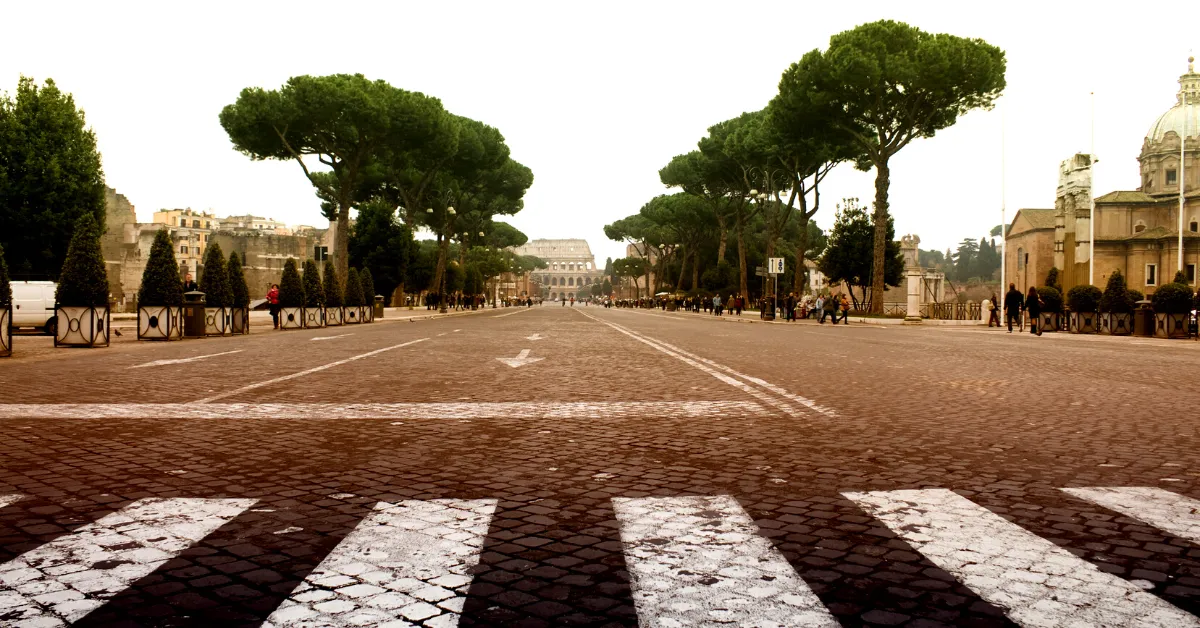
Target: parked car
<point x="33" y="305"/>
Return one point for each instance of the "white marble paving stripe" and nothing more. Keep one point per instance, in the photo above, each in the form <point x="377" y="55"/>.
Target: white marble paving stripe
<point x="405" y="562"/>
<point x="60" y="582"/>
<point x="1167" y="511"/>
<point x="1036" y="582"/>
<point x="8" y="499"/>
<point x="699" y="561"/>
<point x="516" y="410"/>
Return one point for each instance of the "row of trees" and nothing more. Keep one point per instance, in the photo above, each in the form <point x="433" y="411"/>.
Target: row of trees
<point x="394" y="154"/>
<point x="873" y="91"/>
<point x="315" y="291"/>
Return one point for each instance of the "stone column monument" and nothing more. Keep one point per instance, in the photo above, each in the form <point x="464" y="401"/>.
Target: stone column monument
<point x="912" y="271"/>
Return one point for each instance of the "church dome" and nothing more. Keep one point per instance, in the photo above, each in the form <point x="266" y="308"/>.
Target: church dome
<point x="1184" y="117"/>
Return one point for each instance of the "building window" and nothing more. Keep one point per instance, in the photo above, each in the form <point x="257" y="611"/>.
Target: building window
<point x="1191" y="273"/>
<point x="195" y="224"/>
<point x="1139" y="227"/>
<point x="1194" y="226"/>
<point x="1020" y="259"/>
<point x="183" y="249"/>
<point x="1172" y="177"/>
<point x="183" y="222"/>
<point x="197" y="250"/>
<point x="1151" y="274"/>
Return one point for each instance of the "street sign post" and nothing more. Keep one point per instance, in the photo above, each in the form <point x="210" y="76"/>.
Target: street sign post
<point x="775" y="265"/>
<point x="775" y="268"/>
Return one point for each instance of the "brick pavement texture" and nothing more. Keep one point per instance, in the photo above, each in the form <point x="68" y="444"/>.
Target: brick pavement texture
<point x="1005" y="422"/>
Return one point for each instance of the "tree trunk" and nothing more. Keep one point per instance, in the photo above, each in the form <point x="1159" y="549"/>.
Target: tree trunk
<point x="882" y="182"/>
<point x="341" y="244"/>
<point x="696" y="269"/>
<point x="801" y="272"/>
<point x="682" y="268"/>
<point x="743" y="285"/>
<point x="722" y="238"/>
<point x="440" y="271"/>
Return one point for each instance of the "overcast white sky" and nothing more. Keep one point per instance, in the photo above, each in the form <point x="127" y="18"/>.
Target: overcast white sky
<point x="594" y="97"/>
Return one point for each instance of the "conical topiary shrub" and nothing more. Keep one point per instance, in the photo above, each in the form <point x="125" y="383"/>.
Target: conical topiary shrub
<point x="84" y="280"/>
<point x="5" y="309"/>
<point x="239" y="295"/>
<point x="81" y="301"/>
<point x="218" y="296"/>
<point x="1116" y="305"/>
<point x="160" y="280"/>
<point x="333" y="296"/>
<point x="368" y="288"/>
<point x="291" y="297"/>
<point x="214" y="282"/>
<point x="354" y="297"/>
<point x="160" y="296"/>
<point x="314" y="296"/>
<point x="1180" y="278"/>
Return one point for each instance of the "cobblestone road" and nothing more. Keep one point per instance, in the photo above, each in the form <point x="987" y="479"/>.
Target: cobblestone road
<point x="667" y="469"/>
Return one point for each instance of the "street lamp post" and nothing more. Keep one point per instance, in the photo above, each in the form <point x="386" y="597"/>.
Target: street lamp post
<point x="442" y="289"/>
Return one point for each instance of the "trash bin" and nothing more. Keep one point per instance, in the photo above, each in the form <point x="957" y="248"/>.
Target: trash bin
<point x="193" y="314"/>
<point x="1143" y="319"/>
<point x="378" y="313"/>
<point x="767" y="310"/>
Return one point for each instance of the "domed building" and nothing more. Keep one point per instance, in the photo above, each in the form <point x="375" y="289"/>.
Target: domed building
<point x="1137" y="231"/>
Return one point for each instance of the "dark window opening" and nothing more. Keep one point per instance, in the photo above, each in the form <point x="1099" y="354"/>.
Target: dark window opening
<point x="1171" y="177"/>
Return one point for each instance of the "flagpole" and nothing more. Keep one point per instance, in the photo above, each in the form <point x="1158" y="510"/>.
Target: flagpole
<point x="1003" y="201"/>
<point x="1182" y="174"/>
<point x="1092" y="212"/>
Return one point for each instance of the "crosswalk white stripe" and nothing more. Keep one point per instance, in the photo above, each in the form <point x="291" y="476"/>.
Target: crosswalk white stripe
<point x="8" y="499"/>
<point x="699" y="561"/>
<point x="65" y="579"/>
<point x="451" y="410"/>
<point x="407" y="561"/>
<point x="1036" y="582"/>
<point x="1167" y="511"/>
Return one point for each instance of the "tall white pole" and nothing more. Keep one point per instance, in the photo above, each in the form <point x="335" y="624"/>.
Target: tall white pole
<point x="1003" y="199"/>
<point x="1092" y="193"/>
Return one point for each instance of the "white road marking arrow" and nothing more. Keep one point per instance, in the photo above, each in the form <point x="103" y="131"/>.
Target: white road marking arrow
<point x="534" y="337"/>
<point x="521" y="360"/>
<point x="182" y="360"/>
<point x="332" y="337"/>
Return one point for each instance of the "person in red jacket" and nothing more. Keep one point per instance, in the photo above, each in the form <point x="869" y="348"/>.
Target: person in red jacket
<point x="273" y="303"/>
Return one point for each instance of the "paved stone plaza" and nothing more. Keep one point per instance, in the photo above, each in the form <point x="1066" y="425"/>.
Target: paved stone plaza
<point x="617" y="468"/>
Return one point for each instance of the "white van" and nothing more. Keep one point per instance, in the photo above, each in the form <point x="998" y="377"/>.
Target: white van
<point x="33" y="304"/>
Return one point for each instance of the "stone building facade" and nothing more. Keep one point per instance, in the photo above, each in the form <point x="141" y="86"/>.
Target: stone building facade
<point x="571" y="267"/>
<point x="1137" y="231"/>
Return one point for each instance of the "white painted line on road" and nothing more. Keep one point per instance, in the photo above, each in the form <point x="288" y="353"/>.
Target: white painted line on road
<point x="69" y="577"/>
<point x="524" y="309"/>
<point x="521" y="360"/>
<point x="9" y="499"/>
<point x="183" y="360"/>
<point x="456" y="410"/>
<point x="1170" y="512"/>
<point x="405" y="562"/>
<point x="276" y="380"/>
<point x="332" y="337"/>
<point x="534" y="337"/>
<point x="1036" y="582"/>
<point x="699" y="561"/>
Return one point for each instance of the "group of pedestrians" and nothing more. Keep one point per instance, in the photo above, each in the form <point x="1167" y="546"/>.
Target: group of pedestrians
<point x="1015" y="307"/>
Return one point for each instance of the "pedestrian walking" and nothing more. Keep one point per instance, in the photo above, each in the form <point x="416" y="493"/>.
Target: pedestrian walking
<point x="790" y="305"/>
<point x="1014" y="304"/>
<point x="1033" y="305"/>
<point x="829" y="308"/>
<point x="994" y="316"/>
<point x="845" y="311"/>
<point x="717" y="304"/>
<point x="273" y="303"/>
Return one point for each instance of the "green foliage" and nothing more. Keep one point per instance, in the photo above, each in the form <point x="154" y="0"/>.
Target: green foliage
<point x="1117" y="297"/>
<point x="597" y="290"/>
<point x="160" y="280"/>
<point x="84" y="280"/>
<point x="1172" y="298"/>
<point x="503" y="235"/>
<point x="721" y="277"/>
<point x="5" y="285"/>
<point x="1180" y="278"/>
<point x="239" y="292"/>
<point x="1084" y="298"/>
<point x="314" y="292"/>
<point x="1052" y="299"/>
<point x="368" y="286"/>
<point x="332" y="287"/>
<point x="1052" y="279"/>
<point x="606" y="288"/>
<point x="214" y="280"/>
<point x="50" y="175"/>
<point x="291" y="290"/>
<point x="1135" y="296"/>
<point x="354" y="294"/>
<point x="473" y="281"/>
<point x="849" y="256"/>
<point x="456" y="278"/>
<point x="381" y="242"/>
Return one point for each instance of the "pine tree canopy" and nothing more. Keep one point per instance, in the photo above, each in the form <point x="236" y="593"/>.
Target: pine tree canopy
<point x="84" y="280"/>
<point x="161" y="285"/>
